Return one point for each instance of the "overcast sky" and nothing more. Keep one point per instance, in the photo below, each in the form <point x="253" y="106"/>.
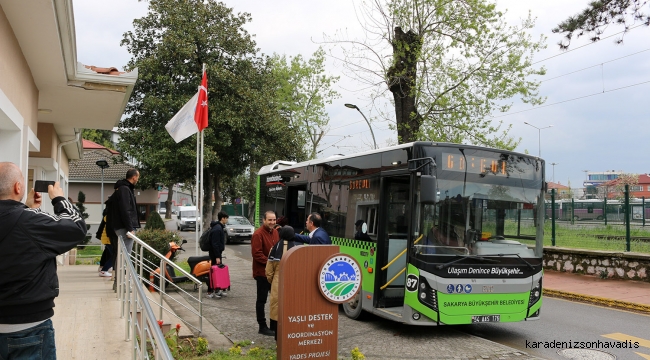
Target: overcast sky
<point x="607" y="129"/>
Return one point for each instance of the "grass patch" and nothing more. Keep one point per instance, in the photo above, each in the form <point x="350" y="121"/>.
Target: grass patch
<point x="183" y="265"/>
<point x="88" y="251"/>
<point x="197" y="349"/>
<point x="606" y="238"/>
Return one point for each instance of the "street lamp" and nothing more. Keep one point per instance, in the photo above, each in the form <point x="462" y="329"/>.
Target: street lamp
<point x="103" y="164"/>
<point x="352" y="106"/>
<point x="554" y="170"/>
<point x="539" y="137"/>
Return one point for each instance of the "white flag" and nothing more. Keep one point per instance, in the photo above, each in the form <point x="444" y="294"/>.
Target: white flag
<point x="182" y="125"/>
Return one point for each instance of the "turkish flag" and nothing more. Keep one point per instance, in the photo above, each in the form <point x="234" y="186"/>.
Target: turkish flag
<point x="201" y="114"/>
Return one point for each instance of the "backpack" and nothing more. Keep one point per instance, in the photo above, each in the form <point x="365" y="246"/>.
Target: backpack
<point x="204" y="240"/>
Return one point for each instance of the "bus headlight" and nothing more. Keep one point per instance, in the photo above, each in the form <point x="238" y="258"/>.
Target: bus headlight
<point x="535" y="293"/>
<point x="427" y="295"/>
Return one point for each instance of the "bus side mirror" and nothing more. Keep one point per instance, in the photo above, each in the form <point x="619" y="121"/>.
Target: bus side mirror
<point x="428" y="189"/>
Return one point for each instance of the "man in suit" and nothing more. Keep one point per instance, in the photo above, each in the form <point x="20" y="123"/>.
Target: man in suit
<point x="317" y="236"/>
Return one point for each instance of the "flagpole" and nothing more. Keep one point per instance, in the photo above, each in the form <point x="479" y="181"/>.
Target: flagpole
<point x="202" y="148"/>
<point x="202" y="189"/>
<point x="198" y="196"/>
<point x="199" y="225"/>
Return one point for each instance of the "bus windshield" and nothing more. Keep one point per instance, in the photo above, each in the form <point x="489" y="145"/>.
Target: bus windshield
<point x="489" y="219"/>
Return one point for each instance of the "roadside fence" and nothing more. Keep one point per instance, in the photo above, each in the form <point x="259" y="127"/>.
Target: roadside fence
<point x="598" y="224"/>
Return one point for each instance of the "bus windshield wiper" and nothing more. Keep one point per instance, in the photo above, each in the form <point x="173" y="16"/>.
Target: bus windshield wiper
<point x="520" y="258"/>
<point x="442" y="266"/>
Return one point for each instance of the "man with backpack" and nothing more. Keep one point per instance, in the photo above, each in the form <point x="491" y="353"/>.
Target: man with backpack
<point x="217" y="246"/>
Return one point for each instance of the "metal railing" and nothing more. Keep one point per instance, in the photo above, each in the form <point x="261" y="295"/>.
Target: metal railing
<point x="162" y="283"/>
<point x="143" y="328"/>
<point x="131" y="292"/>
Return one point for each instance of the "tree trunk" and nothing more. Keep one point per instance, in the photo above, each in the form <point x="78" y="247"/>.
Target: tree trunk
<point x="253" y="198"/>
<point x="206" y="202"/>
<point x="401" y="79"/>
<point x="168" y="202"/>
<point x="217" y="197"/>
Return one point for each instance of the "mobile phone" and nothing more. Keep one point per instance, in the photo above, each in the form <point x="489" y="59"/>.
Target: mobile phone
<point x="41" y="185"/>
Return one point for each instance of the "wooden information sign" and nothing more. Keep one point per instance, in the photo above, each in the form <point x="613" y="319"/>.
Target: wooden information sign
<point x="313" y="281"/>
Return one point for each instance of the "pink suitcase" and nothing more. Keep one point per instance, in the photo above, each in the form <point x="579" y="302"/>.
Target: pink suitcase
<point x="219" y="277"/>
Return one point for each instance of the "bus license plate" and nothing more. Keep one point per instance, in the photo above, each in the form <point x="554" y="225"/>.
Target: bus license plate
<point x="486" y="318"/>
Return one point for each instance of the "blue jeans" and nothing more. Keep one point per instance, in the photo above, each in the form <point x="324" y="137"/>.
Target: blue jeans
<point x="35" y="343"/>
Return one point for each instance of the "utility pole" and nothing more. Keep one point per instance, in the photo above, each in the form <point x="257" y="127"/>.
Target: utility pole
<point x="554" y="170"/>
<point x="539" y="137"/>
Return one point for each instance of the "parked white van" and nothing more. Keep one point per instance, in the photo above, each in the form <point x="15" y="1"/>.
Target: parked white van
<point x="187" y="217"/>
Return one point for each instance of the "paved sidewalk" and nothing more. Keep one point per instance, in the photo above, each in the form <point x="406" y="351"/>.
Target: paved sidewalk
<point x="622" y="294"/>
<point x="86" y="318"/>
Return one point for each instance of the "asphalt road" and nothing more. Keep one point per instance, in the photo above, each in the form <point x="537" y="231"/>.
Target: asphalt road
<point x="562" y="321"/>
<point x="242" y="249"/>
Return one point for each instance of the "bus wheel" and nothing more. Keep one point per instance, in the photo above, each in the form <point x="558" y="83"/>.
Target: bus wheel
<point x="576" y="218"/>
<point x="599" y="218"/>
<point x="353" y="308"/>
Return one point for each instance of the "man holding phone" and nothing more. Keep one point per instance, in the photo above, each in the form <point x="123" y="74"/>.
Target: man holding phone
<point x="30" y="240"/>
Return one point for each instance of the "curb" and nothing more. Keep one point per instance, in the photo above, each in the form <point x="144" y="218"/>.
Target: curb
<point x="618" y="304"/>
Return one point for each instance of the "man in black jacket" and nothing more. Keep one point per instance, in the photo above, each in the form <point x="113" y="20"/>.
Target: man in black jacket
<point x="217" y="246"/>
<point x="30" y="240"/>
<point x="123" y="214"/>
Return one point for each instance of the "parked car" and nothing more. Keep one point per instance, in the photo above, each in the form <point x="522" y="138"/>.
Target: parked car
<point x="187" y="218"/>
<point x="162" y="211"/>
<point x="238" y="229"/>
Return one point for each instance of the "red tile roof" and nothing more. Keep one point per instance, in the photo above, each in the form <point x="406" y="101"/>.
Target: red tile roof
<point x="552" y="185"/>
<point x="87" y="144"/>
<point x="104" y="70"/>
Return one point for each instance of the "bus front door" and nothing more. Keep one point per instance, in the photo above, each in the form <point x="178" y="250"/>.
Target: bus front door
<point x="392" y="241"/>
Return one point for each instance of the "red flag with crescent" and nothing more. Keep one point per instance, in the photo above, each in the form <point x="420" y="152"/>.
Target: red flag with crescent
<point x="201" y="114"/>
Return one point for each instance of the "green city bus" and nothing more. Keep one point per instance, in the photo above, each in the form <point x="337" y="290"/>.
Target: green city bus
<point x="443" y="233"/>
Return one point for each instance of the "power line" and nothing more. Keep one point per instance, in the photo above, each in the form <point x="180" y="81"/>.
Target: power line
<point x="596" y="65"/>
<point x="591" y="43"/>
<point x="578" y="98"/>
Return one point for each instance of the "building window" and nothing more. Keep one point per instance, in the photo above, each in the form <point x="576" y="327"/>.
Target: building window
<point x="636" y="188"/>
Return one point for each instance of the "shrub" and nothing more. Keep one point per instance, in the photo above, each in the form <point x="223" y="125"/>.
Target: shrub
<point x="159" y="240"/>
<point x="81" y="199"/>
<point x="155" y="222"/>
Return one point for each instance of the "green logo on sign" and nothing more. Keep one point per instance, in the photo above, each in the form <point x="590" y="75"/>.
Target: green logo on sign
<point x="340" y="278"/>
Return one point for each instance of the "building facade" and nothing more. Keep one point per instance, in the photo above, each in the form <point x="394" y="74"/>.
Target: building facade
<point x="46" y="95"/>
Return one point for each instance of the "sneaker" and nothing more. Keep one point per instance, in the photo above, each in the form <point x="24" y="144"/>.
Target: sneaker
<point x="219" y="293"/>
<point x="210" y="295"/>
<point x="266" y="331"/>
<point x="105" y="274"/>
<point x="224" y="293"/>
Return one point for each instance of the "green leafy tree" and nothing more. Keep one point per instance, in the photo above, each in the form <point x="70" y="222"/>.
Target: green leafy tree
<point x="446" y="66"/>
<point x="169" y="46"/>
<point x="304" y="90"/>
<point x="598" y="15"/>
<point x="101" y="137"/>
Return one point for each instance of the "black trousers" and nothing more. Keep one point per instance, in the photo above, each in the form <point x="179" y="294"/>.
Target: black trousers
<point x="263" y="288"/>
